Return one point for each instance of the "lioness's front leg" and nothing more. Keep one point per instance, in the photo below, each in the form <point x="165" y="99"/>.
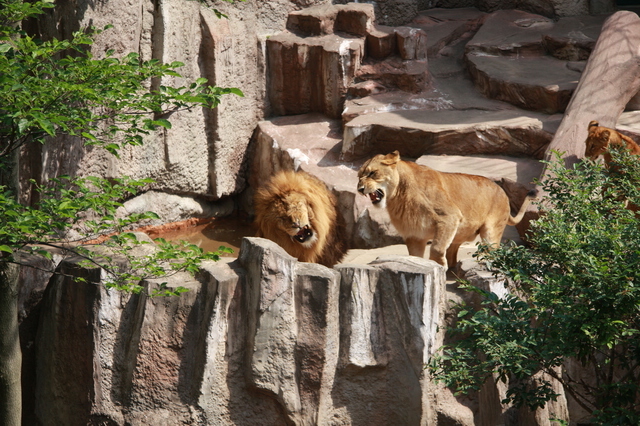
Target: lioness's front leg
<point x="416" y="246"/>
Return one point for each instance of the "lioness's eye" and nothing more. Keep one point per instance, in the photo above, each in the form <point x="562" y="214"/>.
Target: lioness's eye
<point x="371" y="174"/>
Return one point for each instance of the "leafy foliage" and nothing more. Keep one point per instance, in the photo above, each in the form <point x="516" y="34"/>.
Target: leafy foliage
<point x="55" y="87"/>
<point x="575" y="294"/>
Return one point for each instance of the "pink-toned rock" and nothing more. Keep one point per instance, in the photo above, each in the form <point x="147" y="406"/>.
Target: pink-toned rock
<point x="394" y="73"/>
<point x="381" y="42"/>
<point x="353" y="18"/>
<point x="445" y="27"/>
<point x="412" y="43"/>
<point x="610" y="79"/>
<point x="511" y="33"/>
<point x="366" y="88"/>
<point x="418" y="132"/>
<point x="573" y="38"/>
<point x="313" y="21"/>
<point x="542" y="84"/>
<point x="311" y="74"/>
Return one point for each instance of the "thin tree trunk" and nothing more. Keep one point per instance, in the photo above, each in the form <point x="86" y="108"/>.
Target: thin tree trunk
<point x="10" y="354"/>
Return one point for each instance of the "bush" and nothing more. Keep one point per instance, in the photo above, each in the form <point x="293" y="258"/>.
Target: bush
<point x="575" y="294"/>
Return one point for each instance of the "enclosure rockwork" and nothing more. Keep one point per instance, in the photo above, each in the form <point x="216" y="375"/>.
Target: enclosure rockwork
<point x="263" y="339"/>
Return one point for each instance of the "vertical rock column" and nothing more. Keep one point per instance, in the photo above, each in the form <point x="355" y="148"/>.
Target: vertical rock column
<point x="390" y="311"/>
<point x="292" y="328"/>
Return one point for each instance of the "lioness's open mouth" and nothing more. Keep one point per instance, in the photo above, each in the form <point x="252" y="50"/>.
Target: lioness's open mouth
<point x="303" y="235"/>
<point x="377" y="196"/>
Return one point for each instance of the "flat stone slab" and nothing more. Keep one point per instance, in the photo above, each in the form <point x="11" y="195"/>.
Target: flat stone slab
<point x="542" y="83"/>
<point x="451" y="132"/>
<point x="529" y="60"/>
<point x="573" y="38"/>
<point x="518" y="169"/>
<point x="511" y="33"/>
<point x="446" y="26"/>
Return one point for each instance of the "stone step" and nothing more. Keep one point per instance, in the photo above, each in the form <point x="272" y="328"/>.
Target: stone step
<point x="449" y="132"/>
<point x="445" y="27"/>
<point x="313" y="64"/>
<point x="393" y="74"/>
<point x="311" y="74"/>
<point x="312" y="143"/>
<point x="529" y="60"/>
<point x="543" y="84"/>
<point x="318" y="20"/>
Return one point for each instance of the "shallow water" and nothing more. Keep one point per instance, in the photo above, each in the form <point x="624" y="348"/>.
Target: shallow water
<point x="227" y="231"/>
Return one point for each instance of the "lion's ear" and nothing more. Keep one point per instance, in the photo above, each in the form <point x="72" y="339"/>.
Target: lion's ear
<point x="391" y="158"/>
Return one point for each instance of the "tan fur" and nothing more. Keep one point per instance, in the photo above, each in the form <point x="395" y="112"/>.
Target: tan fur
<point x="293" y="203"/>
<point x="598" y="142"/>
<point x="445" y="208"/>
<point x="600" y="138"/>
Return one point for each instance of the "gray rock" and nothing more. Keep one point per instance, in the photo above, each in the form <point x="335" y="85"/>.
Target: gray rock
<point x="260" y="340"/>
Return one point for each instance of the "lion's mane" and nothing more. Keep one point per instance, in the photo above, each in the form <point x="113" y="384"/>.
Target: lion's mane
<point x="286" y="202"/>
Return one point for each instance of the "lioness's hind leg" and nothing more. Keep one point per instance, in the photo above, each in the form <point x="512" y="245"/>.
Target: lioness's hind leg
<point x="452" y="255"/>
<point x="492" y="234"/>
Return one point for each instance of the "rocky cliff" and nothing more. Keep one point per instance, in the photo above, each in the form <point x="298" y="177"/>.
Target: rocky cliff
<point x="260" y="340"/>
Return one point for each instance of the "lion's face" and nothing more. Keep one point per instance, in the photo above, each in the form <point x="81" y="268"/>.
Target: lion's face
<point x="378" y="178"/>
<point x="294" y="218"/>
<point x="597" y="141"/>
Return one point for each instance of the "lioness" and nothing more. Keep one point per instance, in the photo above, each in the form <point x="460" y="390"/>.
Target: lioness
<point x="445" y="208"/>
<point x="297" y="211"/>
<point x="600" y="138"/>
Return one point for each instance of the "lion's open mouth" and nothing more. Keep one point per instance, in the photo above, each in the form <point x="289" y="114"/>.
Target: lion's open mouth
<point x="376" y="196"/>
<point x="303" y="235"/>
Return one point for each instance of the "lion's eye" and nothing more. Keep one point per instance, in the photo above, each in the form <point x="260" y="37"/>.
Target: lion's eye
<point x="371" y="174"/>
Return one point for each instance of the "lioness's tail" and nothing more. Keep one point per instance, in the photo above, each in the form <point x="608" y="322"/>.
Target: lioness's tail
<point x="514" y="220"/>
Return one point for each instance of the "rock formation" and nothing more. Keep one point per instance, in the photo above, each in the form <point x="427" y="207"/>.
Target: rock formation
<point x="260" y="340"/>
<point x="264" y="339"/>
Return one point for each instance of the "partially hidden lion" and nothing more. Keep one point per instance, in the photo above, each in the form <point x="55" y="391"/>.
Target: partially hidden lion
<point x="598" y="142"/>
<point x="600" y="138"/>
<point x="447" y="209"/>
<point x="299" y="213"/>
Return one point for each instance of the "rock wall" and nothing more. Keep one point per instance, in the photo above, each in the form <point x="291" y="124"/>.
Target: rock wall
<point x="203" y="154"/>
<point x="260" y="340"/>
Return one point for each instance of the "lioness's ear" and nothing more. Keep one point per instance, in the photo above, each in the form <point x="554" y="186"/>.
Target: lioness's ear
<point x="593" y="123"/>
<point x="391" y="158"/>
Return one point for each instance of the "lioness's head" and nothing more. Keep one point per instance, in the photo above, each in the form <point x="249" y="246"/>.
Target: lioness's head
<point x="294" y="218"/>
<point x="378" y="178"/>
<point x="597" y="141"/>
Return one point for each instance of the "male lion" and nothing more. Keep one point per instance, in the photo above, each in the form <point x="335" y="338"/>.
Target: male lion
<point x="600" y="138"/>
<point x="445" y="208"/>
<point x="297" y="211"/>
